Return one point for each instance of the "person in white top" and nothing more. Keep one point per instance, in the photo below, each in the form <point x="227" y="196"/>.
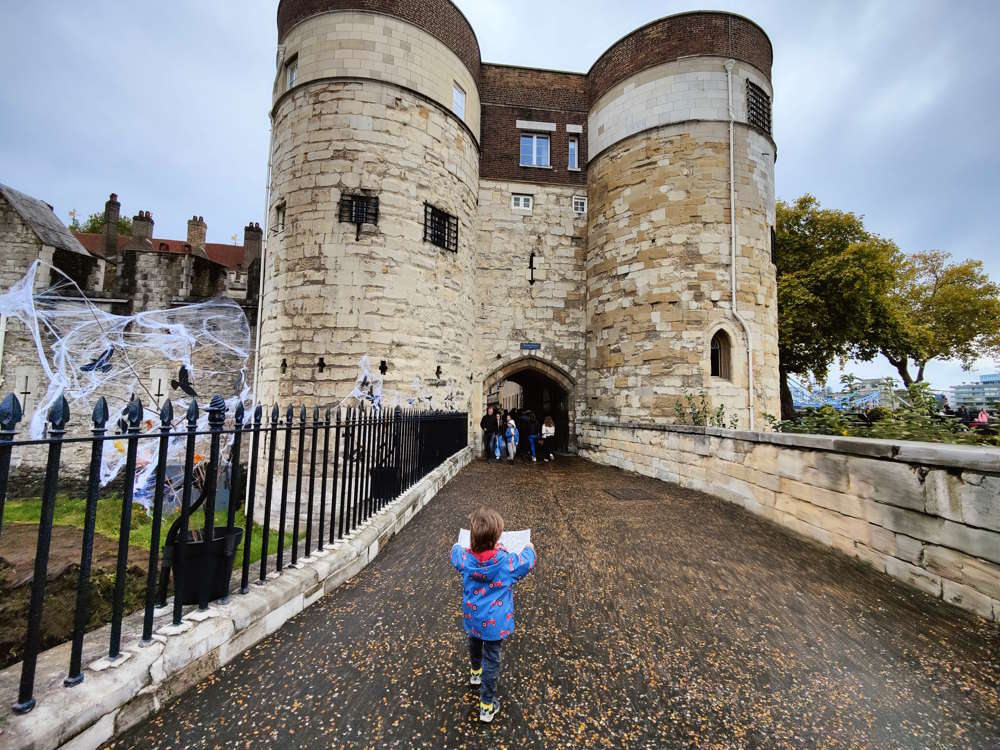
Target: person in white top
<point x="549" y="433"/>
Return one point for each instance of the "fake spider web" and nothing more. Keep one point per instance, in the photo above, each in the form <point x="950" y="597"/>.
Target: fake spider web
<point x="86" y="352"/>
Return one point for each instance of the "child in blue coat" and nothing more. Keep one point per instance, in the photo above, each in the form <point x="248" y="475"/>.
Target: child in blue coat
<point x="489" y="572"/>
<point x="513" y="437"/>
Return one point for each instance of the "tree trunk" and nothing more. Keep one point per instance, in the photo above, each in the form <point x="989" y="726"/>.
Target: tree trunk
<point x="787" y="404"/>
<point x="920" y="372"/>
<point x="902" y="367"/>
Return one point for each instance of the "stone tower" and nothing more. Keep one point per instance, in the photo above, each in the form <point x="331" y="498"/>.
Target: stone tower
<point x="601" y="239"/>
<point x="371" y="105"/>
<point x="675" y="106"/>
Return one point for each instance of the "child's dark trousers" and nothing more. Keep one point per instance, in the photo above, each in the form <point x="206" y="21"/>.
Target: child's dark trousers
<point x="486" y="655"/>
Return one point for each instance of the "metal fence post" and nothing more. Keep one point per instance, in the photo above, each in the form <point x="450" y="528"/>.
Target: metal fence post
<point x="248" y="534"/>
<point x="289" y="418"/>
<point x="322" y="488"/>
<point x="235" y="471"/>
<point x="216" y="419"/>
<point x="166" y="419"/>
<point x="10" y="415"/>
<point x="58" y="416"/>
<point x="83" y="588"/>
<point x="266" y="526"/>
<point x="182" y="537"/>
<point x="298" y="484"/>
<point x="133" y="414"/>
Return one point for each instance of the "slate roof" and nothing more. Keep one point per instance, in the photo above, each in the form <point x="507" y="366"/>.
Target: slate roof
<point x="44" y="223"/>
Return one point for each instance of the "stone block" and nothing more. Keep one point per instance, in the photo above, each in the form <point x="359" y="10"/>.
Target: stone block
<point x="967" y="598"/>
<point x="984" y="577"/>
<point x="980" y="500"/>
<point x="914" y="576"/>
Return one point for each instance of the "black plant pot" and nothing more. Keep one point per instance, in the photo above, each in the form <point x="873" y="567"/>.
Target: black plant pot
<point x="384" y="482"/>
<point x="212" y="562"/>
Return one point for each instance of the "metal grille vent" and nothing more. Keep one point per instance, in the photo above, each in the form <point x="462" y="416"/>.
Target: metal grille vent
<point x="758" y="107"/>
<point x="440" y="228"/>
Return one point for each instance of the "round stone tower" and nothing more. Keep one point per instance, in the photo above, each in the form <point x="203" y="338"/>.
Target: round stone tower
<point x="374" y="182"/>
<point x="679" y="124"/>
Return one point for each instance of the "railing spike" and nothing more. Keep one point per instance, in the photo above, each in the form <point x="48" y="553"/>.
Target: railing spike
<point x="239" y="416"/>
<point x="101" y="413"/>
<point x="166" y="412"/>
<point x="58" y="414"/>
<point x="192" y="412"/>
<point x="10" y="413"/>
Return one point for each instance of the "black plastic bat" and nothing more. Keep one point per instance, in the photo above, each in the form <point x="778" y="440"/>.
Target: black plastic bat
<point x="183" y="382"/>
<point x="101" y="363"/>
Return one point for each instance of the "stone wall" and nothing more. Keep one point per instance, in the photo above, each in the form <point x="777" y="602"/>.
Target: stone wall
<point x="389" y="293"/>
<point x="349" y="44"/>
<point x="509" y="309"/>
<point x="926" y="514"/>
<point x="689" y="89"/>
<point x="658" y="271"/>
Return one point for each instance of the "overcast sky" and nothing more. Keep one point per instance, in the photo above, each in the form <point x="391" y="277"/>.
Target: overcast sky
<point x="888" y="109"/>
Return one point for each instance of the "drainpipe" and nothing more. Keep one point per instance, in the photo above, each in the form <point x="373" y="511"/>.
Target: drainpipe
<point x="732" y="235"/>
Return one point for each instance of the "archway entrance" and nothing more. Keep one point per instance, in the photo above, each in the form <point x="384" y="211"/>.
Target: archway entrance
<point x="532" y="383"/>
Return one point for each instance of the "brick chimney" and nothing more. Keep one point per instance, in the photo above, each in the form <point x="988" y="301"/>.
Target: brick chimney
<point x="112" y="213"/>
<point x="197" y="231"/>
<point x="142" y="226"/>
<point x="253" y="240"/>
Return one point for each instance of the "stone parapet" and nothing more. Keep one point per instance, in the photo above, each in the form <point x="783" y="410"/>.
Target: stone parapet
<point x="114" y="698"/>
<point x="926" y="514"/>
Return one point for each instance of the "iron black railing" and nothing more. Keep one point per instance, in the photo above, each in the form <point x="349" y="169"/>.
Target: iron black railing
<point x="364" y="458"/>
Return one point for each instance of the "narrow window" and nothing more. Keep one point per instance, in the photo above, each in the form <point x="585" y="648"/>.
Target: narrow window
<point x="579" y="204"/>
<point x="534" y="150"/>
<point x="279" y="218"/>
<point x="758" y="107"/>
<point x="291" y="72"/>
<point x="574" y="150"/>
<point x="720" y="356"/>
<point x="458" y="100"/>
<point x="440" y="228"/>
<point x="521" y="202"/>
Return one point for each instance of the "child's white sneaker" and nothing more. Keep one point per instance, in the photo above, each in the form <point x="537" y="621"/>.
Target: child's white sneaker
<point x="534" y="460"/>
<point x="488" y="710"/>
<point x="551" y="457"/>
<point x="476" y="676"/>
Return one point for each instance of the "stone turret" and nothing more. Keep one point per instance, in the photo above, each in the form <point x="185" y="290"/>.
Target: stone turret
<point x="112" y="213"/>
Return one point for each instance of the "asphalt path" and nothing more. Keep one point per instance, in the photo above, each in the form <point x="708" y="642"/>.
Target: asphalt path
<point x="656" y="617"/>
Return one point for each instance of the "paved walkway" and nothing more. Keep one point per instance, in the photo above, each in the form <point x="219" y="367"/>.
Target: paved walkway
<point x="670" y="619"/>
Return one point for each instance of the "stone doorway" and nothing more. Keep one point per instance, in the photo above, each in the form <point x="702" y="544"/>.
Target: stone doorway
<point x="541" y="387"/>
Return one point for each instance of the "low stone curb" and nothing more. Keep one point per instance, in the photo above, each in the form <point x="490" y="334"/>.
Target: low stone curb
<point x="115" y="697"/>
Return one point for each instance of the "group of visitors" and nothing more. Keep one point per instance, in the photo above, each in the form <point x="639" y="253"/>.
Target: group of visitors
<point x="503" y="432"/>
<point x="974" y="420"/>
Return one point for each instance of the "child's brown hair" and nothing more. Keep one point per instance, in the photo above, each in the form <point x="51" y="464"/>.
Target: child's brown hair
<point x="485" y="528"/>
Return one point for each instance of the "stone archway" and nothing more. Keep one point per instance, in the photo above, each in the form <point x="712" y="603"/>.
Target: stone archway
<point x="547" y="388"/>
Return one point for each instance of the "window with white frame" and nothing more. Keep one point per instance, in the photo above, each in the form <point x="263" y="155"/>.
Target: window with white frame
<point x="291" y="72"/>
<point x="458" y="100"/>
<point x="534" y="150"/>
<point x="574" y="153"/>
<point x="521" y="202"/>
<point x="579" y="204"/>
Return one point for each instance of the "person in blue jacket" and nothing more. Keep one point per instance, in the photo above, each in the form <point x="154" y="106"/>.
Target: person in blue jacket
<point x="513" y="437"/>
<point x="489" y="572"/>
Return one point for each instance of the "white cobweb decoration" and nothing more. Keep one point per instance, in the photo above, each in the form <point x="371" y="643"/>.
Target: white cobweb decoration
<point x="87" y="352"/>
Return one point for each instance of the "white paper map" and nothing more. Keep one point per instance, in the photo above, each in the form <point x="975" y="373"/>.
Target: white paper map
<point x="515" y="541"/>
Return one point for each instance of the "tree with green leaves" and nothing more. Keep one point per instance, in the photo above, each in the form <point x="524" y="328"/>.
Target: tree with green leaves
<point x="95" y="224"/>
<point x="834" y="279"/>
<point x="940" y="310"/>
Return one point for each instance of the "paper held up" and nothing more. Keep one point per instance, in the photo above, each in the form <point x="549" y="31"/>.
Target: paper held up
<point x="515" y="541"/>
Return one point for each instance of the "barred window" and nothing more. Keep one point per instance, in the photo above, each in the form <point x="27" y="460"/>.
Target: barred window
<point x="758" y="107"/>
<point x="440" y="228"/>
<point x="358" y="210"/>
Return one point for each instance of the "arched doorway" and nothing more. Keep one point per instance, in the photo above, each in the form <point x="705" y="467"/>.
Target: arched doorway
<point x="544" y="388"/>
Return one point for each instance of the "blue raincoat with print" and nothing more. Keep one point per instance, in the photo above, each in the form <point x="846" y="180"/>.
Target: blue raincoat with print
<point x="488" y="589"/>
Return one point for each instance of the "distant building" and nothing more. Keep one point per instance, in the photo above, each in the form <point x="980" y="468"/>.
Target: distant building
<point x="974" y="395"/>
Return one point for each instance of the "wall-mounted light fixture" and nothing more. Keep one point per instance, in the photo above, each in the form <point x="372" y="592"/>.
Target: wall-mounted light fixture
<point x="284" y="366"/>
<point x="321" y="365"/>
<point x="383" y="368"/>
<point x="437" y="372"/>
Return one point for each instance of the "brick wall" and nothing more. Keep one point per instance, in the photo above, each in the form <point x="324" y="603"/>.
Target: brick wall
<point x="699" y="33"/>
<point x="437" y="17"/>
<point x="510" y="94"/>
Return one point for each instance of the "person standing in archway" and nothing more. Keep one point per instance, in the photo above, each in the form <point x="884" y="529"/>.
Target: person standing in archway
<point x="490" y="424"/>
<point x="549" y="436"/>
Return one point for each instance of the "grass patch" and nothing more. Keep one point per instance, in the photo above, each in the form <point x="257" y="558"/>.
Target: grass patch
<point x="70" y="511"/>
